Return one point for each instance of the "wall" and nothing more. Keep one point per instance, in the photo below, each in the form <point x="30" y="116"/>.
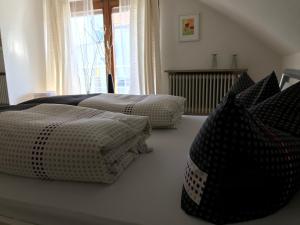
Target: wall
<point x="291" y="61"/>
<point x="21" y="25"/>
<point x="218" y="34"/>
<point x="277" y="26"/>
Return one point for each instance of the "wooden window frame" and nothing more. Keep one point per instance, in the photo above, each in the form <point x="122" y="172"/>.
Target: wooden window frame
<point x="106" y="6"/>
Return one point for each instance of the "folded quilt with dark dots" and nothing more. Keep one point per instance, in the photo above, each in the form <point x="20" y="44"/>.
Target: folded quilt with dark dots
<point x="64" y="142"/>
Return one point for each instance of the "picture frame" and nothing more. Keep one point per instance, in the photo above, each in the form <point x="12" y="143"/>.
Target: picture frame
<point x="189" y="27"/>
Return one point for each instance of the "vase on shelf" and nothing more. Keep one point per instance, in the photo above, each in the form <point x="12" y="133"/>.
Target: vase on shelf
<point x="214" y="62"/>
<point x="110" y="84"/>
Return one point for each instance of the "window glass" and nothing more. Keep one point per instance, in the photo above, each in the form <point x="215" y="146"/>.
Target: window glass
<point x="89" y="50"/>
<point x="121" y="40"/>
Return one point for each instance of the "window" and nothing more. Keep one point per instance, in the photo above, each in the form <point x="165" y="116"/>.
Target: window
<point x="110" y="29"/>
<point x="121" y="39"/>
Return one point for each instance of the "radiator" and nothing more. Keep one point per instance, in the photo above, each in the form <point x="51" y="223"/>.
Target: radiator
<point x="203" y="89"/>
<point x="3" y="90"/>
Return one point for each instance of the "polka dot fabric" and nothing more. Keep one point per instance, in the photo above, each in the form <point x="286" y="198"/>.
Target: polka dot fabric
<point x="62" y="142"/>
<point x="250" y="170"/>
<point x="242" y="83"/>
<point x="281" y="111"/>
<point x="194" y="181"/>
<point x="260" y="91"/>
<point x="164" y="111"/>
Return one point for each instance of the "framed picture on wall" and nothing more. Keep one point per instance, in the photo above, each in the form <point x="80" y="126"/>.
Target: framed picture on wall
<point x="189" y="27"/>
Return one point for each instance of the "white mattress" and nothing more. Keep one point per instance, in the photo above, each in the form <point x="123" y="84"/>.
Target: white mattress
<point x="147" y="193"/>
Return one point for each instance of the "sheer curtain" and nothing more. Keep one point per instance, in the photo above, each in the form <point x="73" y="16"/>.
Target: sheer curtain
<point x="144" y="50"/>
<point x="56" y="17"/>
<point x="75" y="50"/>
<point x="88" y="62"/>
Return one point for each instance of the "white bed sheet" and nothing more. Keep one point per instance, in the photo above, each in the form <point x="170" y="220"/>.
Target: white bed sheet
<point x="147" y="193"/>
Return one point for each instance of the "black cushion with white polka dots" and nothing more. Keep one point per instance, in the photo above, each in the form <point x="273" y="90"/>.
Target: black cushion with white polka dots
<point x="238" y="168"/>
<point x="242" y="83"/>
<point x="260" y="91"/>
<point x="281" y="111"/>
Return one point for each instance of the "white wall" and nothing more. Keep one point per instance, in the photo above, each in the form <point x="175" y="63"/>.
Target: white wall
<point x="219" y="34"/>
<point x="21" y="25"/>
<point x="276" y="22"/>
<point x="291" y="61"/>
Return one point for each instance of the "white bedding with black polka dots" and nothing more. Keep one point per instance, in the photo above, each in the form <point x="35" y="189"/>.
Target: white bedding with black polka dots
<point x="63" y="142"/>
<point x="194" y="181"/>
<point x="164" y="111"/>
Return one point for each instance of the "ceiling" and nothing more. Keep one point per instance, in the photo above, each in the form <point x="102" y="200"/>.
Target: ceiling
<point x="276" y="22"/>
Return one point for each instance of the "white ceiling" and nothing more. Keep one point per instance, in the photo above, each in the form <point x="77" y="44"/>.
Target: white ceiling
<point x="276" y="22"/>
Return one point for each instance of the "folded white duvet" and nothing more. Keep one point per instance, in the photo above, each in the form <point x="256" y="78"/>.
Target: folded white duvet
<point x="164" y="111"/>
<point x="64" y="142"/>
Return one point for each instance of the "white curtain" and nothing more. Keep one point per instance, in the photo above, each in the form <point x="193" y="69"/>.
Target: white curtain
<point x="87" y="48"/>
<point x="56" y="14"/>
<point x="144" y="54"/>
<point x="75" y="47"/>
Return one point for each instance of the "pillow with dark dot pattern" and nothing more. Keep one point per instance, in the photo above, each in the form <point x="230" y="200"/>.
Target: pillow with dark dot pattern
<point x="239" y="169"/>
<point x="282" y="111"/>
<point x="260" y="91"/>
<point x="242" y="83"/>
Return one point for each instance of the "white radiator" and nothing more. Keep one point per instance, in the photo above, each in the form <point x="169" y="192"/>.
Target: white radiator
<point x="3" y="90"/>
<point x="203" y="89"/>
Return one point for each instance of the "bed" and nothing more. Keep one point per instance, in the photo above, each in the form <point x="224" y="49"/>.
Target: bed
<point x="148" y="193"/>
<point x="151" y="187"/>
